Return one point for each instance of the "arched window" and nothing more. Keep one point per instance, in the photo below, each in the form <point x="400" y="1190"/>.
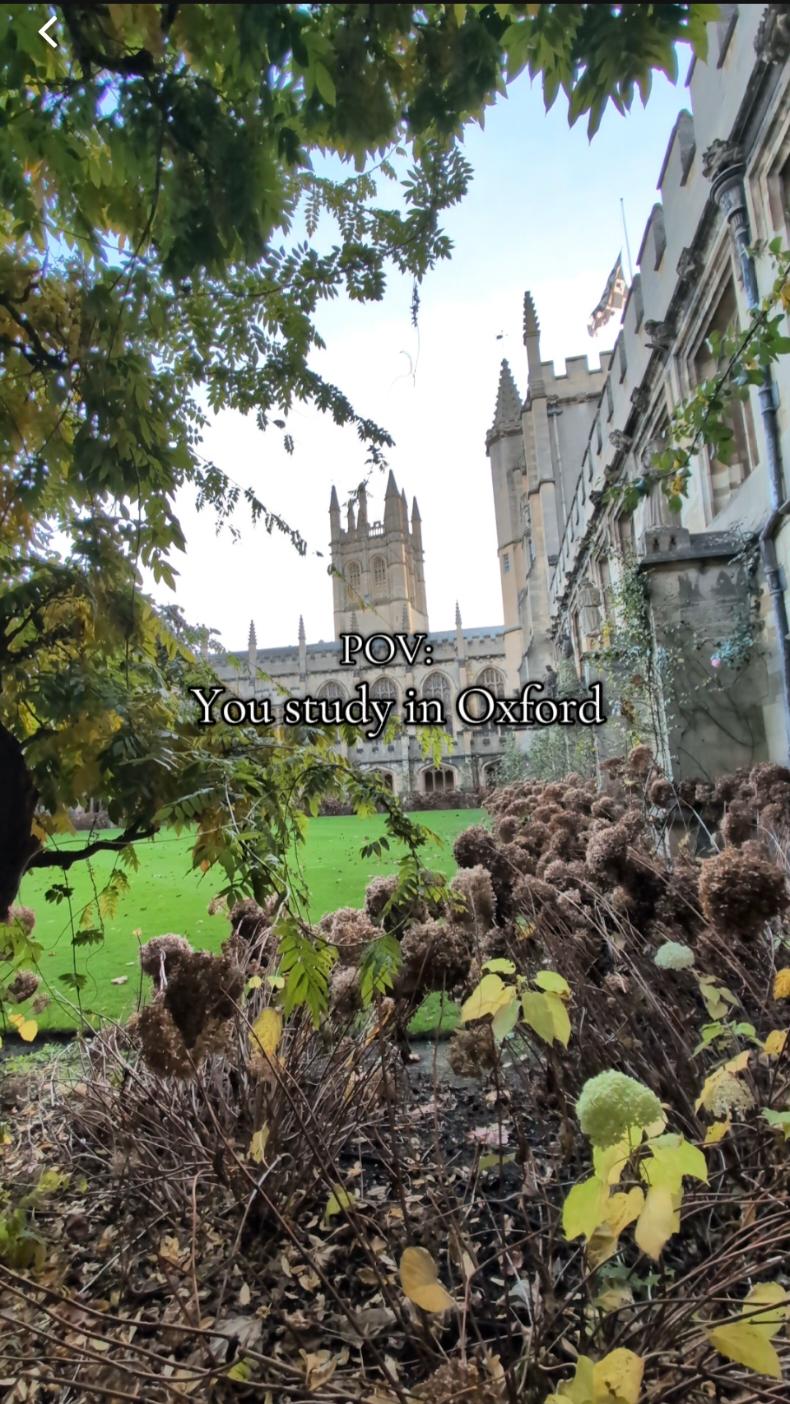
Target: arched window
<point x="437" y="686"/>
<point x="491" y="775"/>
<point x="384" y="687"/>
<point x="379" y="576"/>
<point x="438" y="780"/>
<point x="353" y="583"/>
<point x="332" y="690"/>
<point x="493" y="680"/>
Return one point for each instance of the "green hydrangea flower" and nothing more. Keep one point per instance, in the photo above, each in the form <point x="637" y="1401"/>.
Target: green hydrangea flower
<point x="611" y="1103"/>
<point x="673" y="955"/>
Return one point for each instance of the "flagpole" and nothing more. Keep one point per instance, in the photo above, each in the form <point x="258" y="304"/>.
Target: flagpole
<point x="627" y="245"/>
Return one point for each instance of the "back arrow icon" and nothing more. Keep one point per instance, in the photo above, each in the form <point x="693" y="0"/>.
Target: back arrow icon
<point x="53" y="43"/>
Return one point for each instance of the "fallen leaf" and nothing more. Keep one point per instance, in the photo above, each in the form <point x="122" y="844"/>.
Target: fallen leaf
<point x="420" y="1281"/>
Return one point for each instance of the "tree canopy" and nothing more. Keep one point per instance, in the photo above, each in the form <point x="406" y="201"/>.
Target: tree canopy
<point x="163" y="174"/>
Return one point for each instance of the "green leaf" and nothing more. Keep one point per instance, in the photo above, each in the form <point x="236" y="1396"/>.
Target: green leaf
<point x="325" y="84"/>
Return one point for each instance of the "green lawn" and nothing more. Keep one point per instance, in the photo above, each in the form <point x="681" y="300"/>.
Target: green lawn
<point x="166" y="895"/>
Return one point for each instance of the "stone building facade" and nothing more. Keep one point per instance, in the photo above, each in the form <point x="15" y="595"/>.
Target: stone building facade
<point x="378" y="585"/>
<point x="717" y="572"/>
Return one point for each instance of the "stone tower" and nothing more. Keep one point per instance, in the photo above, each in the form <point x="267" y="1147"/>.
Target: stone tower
<point x="380" y="584"/>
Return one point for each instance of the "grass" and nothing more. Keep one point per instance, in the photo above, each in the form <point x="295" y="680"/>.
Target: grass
<point x="167" y="895"/>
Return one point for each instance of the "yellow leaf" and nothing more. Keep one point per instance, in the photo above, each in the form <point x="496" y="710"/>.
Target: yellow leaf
<point x="739" y="1062"/>
<point x="623" y="1208"/>
<point x="420" y="1281"/>
<point x="559" y="1018"/>
<point x="547" y="1015"/>
<point x="775" y="1043"/>
<point x="656" y="1223"/>
<point x="504" y="1021"/>
<point x="26" y="1028"/>
<point x="776" y="1299"/>
<point x="338" y="1200"/>
<point x="538" y="1015"/>
<point x="672" y="1157"/>
<point x="746" y="1345"/>
<point x="610" y="1161"/>
<point x="617" y="1379"/>
<point x="717" y="1131"/>
<point x="552" y="983"/>
<point x="489" y="996"/>
<point x="254" y="982"/>
<point x="584" y="1208"/>
<point x="267" y="1031"/>
<point x="257" y="1150"/>
<point x="579" y="1390"/>
<point x="782" y="983"/>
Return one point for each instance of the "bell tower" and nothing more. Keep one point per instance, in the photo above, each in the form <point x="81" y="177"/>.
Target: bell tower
<point x="378" y="576"/>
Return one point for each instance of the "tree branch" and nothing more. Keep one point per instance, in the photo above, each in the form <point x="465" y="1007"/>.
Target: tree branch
<point x="59" y="858"/>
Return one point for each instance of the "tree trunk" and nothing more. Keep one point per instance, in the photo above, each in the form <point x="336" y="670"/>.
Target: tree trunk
<point x="18" y="797"/>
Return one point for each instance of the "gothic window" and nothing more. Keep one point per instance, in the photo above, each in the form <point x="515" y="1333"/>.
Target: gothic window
<point x="436" y="685"/>
<point x="384" y="688"/>
<point x="332" y="690"/>
<point x="379" y="576"/>
<point x="439" y="780"/>
<point x="493" y="680"/>
<point x="724" y="478"/>
<point x="353" y="582"/>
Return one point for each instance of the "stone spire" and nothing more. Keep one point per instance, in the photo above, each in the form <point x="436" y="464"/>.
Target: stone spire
<point x="532" y="343"/>
<point x="507" y="415"/>
<point x="302" y="649"/>
<point x="334" y="514"/>
<point x="362" y="513"/>
<point x="404" y="510"/>
<point x="392" y="505"/>
<point x="351" y="525"/>
<point x="252" y="649"/>
<point x="460" y="641"/>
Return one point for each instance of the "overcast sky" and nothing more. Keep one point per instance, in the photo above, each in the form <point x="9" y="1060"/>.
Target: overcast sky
<point x="543" y="212"/>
